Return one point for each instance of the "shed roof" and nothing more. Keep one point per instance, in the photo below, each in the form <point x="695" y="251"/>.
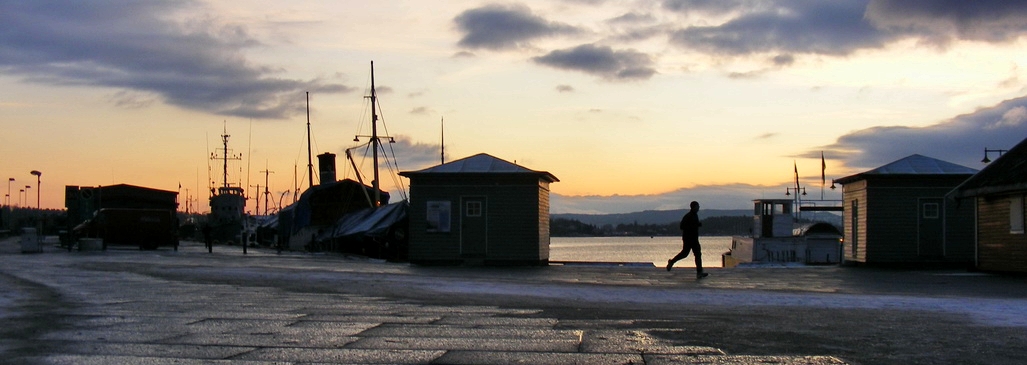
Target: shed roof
<point x="912" y="165"/>
<point x="1007" y="173"/>
<point x="481" y="163"/>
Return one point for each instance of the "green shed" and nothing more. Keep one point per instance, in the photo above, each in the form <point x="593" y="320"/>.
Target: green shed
<point x="479" y="210"/>
<point x="897" y="214"/>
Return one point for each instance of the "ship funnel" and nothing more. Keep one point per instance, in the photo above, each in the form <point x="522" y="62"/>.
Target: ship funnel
<point x="326" y="162"/>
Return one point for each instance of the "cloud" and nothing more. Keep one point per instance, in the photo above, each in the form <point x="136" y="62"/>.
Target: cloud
<point x="499" y="27"/>
<point x="601" y="61"/>
<point x="942" y="21"/>
<point x="801" y="26"/>
<point x="633" y="18"/>
<point x="411" y="156"/>
<point x="729" y="196"/>
<point x="133" y="45"/>
<point x="839" y="28"/>
<point x="709" y="7"/>
<point x="564" y="88"/>
<point x="783" y="60"/>
<point x="959" y="140"/>
<point x="421" y="110"/>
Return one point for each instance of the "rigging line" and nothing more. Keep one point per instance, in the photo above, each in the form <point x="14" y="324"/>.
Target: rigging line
<point x="209" y="171"/>
<point x="394" y="169"/>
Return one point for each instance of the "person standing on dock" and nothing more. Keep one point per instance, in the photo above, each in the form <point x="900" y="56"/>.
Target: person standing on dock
<point x="690" y="240"/>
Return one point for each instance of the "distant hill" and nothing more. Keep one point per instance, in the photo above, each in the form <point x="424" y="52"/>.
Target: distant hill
<point x="649" y="216"/>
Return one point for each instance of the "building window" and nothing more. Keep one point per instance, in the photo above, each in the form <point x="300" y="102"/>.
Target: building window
<point x="438" y="216"/>
<point x="931" y="211"/>
<point x="474" y="209"/>
<point x="1016" y="215"/>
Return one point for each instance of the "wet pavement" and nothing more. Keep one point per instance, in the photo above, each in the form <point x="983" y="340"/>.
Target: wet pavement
<point x="125" y="306"/>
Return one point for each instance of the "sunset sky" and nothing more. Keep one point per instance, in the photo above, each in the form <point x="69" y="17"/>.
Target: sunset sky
<point x="632" y="104"/>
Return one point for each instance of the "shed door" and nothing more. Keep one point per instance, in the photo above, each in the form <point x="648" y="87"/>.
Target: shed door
<point x="931" y="228"/>
<point x="473" y="227"/>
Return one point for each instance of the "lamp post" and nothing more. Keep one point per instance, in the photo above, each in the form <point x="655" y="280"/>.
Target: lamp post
<point x="987" y="150"/>
<point x="798" y="199"/>
<point x="27" y="187"/>
<point x="9" y="181"/>
<point x="38" y="175"/>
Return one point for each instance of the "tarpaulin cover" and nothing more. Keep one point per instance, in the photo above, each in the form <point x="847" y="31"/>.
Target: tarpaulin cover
<point x="367" y="223"/>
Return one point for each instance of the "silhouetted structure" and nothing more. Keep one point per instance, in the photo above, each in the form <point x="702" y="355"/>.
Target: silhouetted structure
<point x="898" y="214"/>
<point x="777" y="238"/>
<point x="123" y="214"/>
<point x="479" y="210"/>
<point x="995" y="195"/>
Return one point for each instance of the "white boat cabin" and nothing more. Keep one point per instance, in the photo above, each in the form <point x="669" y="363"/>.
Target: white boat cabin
<point x="776" y="238"/>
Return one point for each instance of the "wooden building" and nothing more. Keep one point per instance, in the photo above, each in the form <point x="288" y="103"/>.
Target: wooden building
<point x="84" y="201"/>
<point x="897" y="214"/>
<point x="479" y="210"/>
<point x="996" y="197"/>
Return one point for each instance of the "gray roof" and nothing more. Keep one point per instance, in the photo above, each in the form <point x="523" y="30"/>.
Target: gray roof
<point x="913" y="165"/>
<point x="1006" y="174"/>
<point x="481" y="163"/>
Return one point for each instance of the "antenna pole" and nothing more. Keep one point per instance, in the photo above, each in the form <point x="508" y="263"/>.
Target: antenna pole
<point x="442" y="154"/>
<point x="310" y="162"/>
<point x="267" y="192"/>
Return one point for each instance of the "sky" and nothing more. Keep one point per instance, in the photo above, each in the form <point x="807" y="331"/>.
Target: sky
<point x="633" y="104"/>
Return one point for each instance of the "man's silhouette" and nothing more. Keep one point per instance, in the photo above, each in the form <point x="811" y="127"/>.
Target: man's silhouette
<point x="690" y="240"/>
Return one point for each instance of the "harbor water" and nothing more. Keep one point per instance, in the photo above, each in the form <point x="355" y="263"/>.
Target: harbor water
<point x="656" y="250"/>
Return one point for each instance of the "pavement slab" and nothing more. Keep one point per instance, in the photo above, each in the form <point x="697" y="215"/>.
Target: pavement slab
<point x="192" y="307"/>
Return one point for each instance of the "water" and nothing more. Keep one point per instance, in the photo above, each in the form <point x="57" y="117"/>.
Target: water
<point x="635" y="249"/>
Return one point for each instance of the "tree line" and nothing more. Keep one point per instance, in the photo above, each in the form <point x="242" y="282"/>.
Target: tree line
<point x="711" y="226"/>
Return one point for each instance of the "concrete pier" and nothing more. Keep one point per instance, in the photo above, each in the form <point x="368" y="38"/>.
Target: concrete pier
<point x="126" y="306"/>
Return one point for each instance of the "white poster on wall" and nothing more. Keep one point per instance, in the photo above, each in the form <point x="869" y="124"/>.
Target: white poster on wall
<point x="438" y="216"/>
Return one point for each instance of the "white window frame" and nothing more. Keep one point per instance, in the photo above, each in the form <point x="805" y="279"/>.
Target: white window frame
<point x="474" y="208"/>
<point x="932" y="210"/>
<point x="1016" y="215"/>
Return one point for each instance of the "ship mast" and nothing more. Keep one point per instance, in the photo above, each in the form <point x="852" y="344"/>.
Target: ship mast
<point x="225" y="155"/>
<point x="374" y="140"/>
<point x="310" y="162"/>
<point x="224" y="138"/>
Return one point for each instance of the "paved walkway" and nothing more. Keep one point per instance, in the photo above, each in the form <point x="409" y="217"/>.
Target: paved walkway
<point x="125" y="306"/>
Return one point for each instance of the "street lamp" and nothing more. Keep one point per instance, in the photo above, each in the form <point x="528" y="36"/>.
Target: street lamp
<point x="987" y="150"/>
<point x="9" y="181"/>
<point x="38" y="176"/>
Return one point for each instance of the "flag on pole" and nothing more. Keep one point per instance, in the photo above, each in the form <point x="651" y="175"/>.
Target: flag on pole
<point x="823" y="169"/>
<point x="796" y="176"/>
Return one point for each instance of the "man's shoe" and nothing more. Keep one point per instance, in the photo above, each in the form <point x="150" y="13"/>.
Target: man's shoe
<point x="702" y="275"/>
<point x="669" y="265"/>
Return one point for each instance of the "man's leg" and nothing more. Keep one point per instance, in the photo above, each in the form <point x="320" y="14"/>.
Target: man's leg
<point x="683" y="254"/>
<point x="698" y="262"/>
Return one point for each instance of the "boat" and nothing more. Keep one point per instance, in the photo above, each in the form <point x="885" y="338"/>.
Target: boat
<point x="778" y="239"/>
<point x="347" y="216"/>
<point x="227" y="202"/>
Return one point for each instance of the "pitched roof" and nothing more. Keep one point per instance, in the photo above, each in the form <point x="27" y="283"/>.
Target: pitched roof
<point x="481" y="163"/>
<point x="912" y="165"/>
<point x="1006" y="173"/>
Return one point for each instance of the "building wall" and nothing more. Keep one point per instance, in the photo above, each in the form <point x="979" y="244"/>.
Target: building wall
<point x="998" y="248"/>
<point x="855" y="193"/>
<point x="888" y="221"/>
<point x="515" y="212"/>
<point x="543" y="221"/>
